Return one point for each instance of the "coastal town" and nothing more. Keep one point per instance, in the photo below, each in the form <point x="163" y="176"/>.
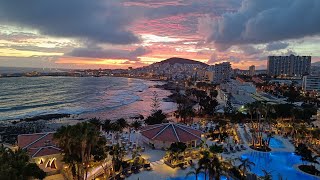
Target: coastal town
<point x="228" y="124"/>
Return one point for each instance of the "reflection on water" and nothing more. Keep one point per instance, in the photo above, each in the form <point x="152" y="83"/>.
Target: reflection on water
<point x="23" y="96"/>
<point x="278" y="163"/>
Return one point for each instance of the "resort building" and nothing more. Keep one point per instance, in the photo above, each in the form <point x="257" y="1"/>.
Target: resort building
<point x="42" y="151"/>
<point x="238" y="91"/>
<point x="252" y="70"/>
<point x="163" y="135"/>
<point x="311" y="84"/>
<point x="289" y="65"/>
<point x="220" y="72"/>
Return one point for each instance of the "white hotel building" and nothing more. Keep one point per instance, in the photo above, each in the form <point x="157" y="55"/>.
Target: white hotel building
<point x="311" y="83"/>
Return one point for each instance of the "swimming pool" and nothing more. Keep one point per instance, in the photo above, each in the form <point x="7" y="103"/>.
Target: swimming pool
<point x="193" y="177"/>
<point x="278" y="163"/>
<point x="276" y="143"/>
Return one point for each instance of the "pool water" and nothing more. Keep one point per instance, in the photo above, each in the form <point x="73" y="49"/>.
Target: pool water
<point x="276" y="143"/>
<point x="193" y="177"/>
<point x="278" y="163"/>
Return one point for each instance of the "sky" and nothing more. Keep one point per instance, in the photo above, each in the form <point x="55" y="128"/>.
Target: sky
<point x="123" y="33"/>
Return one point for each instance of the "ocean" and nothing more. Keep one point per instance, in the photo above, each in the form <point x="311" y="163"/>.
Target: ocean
<point x="102" y="97"/>
<point x="12" y="70"/>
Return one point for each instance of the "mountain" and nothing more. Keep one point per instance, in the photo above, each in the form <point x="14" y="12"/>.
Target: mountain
<point x="316" y="64"/>
<point x="178" y="60"/>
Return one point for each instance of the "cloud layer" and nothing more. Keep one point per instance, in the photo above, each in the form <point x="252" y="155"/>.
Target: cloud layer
<point x="99" y="21"/>
<point x="260" y="21"/>
<point x="100" y="53"/>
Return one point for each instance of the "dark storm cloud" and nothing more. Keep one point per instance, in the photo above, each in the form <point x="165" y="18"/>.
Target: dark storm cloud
<point x="250" y="50"/>
<point x="261" y="21"/>
<point x="37" y="48"/>
<point x="213" y="7"/>
<point x="276" y="46"/>
<point x="100" y="21"/>
<point x="17" y="37"/>
<point x="100" y="53"/>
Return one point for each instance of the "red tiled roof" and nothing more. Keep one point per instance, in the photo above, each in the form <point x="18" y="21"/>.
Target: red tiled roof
<point x="38" y="144"/>
<point x="171" y="132"/>
<point x="44" y="151"/>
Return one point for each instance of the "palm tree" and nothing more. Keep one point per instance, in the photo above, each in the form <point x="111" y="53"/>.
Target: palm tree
<point x="77" y="143"/>
<point x="216" y="167"/>
<point x="270" y="135"/>
<point x="100" y="154"/>
<point x="96" y="122"/>
<point x="117" y="154"/>
<point x="204" y="162"/>
<point x="195" y="171"/>
<point x="267" y="175"/>
<point x="122" y="123"/>
<point x="211" y="165"/>
<point x="251" y="109"/>
<point x="16" y="165"/>
<point x="136" y="125"/>
<point x="245" y="165"/>
<point x="107" y="125"/>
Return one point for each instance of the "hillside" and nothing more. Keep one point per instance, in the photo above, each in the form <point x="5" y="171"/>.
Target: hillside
<point x="174" y="60"/>
<point x="316" y="64"/>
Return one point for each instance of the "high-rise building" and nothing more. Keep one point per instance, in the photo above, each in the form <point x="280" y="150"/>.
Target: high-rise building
<point x="220" y="72"/>
<point x="289" y="65"/>
<point x="252" y="70"/>
<point x="311" y="83"/>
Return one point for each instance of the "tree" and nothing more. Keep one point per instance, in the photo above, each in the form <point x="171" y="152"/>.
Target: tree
<point x="100" y="154"/>
<point x="155" y="102"/>
<point x="107" y="125"/>
<point x="228" y="109"/>
<point x="121" y="123"/>
<point x="251" y="109"/>
<point x="266" y="175"/>
<point x="117" y="154"/>
<point x="78" y="143"/>
<point x="156" y="118"/>
<point x="213" y="94"/>
<point x="186" y="112"/>
<point x="208" y="105"/>
<point x="195" y="171"/>
<point x="136" y="125"/>
<point x="15" y="165"/>
<point x="211" y="165"/>
<point x="216" y="149"/>
<point x="96" y="122"/>
<point x="245" y="164"/>
<point x="177" y="147"/>
<point x="306" y="154"/>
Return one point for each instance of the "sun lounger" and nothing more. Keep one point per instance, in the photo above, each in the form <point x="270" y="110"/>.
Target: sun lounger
<point x="226" y="151"/>
<point x="242" y="147"/>
<point x="147" y="167"/>
<point x="232" y="150"/>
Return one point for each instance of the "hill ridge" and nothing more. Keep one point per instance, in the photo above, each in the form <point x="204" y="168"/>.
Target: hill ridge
<point x="180" y="60"/>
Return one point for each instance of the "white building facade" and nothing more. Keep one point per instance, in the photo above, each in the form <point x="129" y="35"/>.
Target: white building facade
<point x="311" y="83"/>
<point x="220" y="72"/>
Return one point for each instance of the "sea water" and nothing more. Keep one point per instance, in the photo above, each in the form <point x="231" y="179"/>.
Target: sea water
<point x="105" y="97"/>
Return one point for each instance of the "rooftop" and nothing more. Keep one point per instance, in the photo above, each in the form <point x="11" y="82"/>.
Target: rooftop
<point x="171" y="132"/>
<point x="38" y="144"/>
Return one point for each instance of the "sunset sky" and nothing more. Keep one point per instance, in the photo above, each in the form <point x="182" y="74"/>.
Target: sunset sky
<point x="124" y="33"/>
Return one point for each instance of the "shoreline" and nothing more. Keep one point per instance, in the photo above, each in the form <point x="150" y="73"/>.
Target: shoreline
<point x="58" y="115"/>
<point x="52" y="121"/>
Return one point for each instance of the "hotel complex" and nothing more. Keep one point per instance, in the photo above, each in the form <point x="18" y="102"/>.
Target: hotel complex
<point x="311" y="83"/>
<point x="289" y="65"/>
<point x="219" y="73"/>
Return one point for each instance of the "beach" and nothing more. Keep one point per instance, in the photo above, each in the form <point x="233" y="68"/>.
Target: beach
<point x="43" y="104"/>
